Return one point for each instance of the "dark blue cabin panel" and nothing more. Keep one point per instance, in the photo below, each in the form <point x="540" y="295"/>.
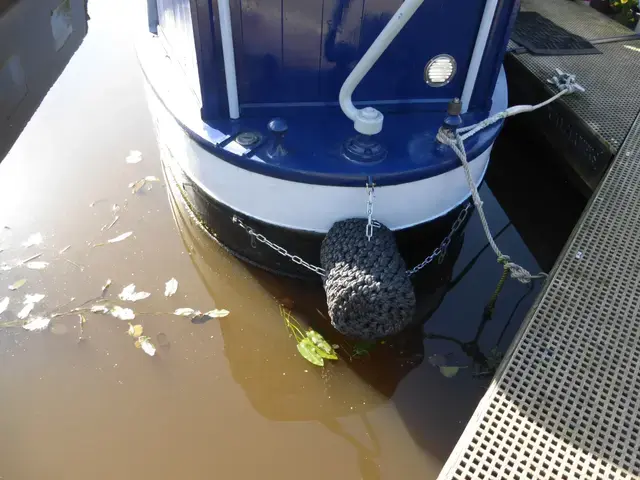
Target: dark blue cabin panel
<point x="302" y="50"/>
<point x="438" y="27"/>
<point x="176" y="29"/>
<point x="302" y="34"/>
<point x="261" y="75"/>
<point x="341" y="24"/>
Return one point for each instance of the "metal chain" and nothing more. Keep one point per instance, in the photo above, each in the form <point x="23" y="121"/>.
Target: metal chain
<point x="370" y="223"/>
<point x="262" y="239"/>
<point x="438" y="253"/>
<point x="441" y="250"/>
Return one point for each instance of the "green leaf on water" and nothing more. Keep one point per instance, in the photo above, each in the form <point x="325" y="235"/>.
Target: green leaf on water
<point x="16" y="285"/>
<point x="449" y="371"/>
<point x="322" y="346"/>
<point x="310" y="352"/>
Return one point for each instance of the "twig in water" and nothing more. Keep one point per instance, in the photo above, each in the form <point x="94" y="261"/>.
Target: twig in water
<point x="33" y="257"/>
<point x="79" y="267"/>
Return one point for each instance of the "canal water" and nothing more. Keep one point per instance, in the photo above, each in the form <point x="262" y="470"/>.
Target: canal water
<point x="225" y="397"/>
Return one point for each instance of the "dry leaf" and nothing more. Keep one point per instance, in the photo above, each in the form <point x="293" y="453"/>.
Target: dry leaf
<point x="37" y="265"/>
<point x="16" y="285"/>
<point x="35" y="298"/>
<point x="129" y="294"/>
<point x="105" y="287"/>
<point x="99" y="309"/>
<point x="217" y="313"/>
<point x="135" y="156"/>
<point x="4" y="304"/>
<point x="35" y="239"/>
<point x="35" y="324"/>
<point x="135" y="330"/>
<point x="170" y="287"/>
<point x="146" y="345"/>
<point x="119" y="238"/>
<point x="137" y="185"/>
<point x="186" y="312"/>
<point x="26" y="310"/>
<point x="122" y="313"/>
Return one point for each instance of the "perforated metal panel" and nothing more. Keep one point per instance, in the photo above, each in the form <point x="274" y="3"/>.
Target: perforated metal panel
<point x="565" y="403"/>
<point x="611" y="102"/>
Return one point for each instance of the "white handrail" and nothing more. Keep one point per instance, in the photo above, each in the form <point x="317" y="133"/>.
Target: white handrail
<point x="226" y="33"/>
<point x="368" y="121"/>
<point x="484" y="29"/>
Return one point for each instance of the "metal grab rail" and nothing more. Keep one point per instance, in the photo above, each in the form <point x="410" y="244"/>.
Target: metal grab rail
<point x="368" y="120"/>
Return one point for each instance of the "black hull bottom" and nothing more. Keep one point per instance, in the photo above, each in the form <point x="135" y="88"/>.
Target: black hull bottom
<point x="414" y="243"/>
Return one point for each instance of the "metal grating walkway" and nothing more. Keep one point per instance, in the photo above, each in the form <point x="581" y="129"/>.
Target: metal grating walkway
<point x="610" y="104"/>
<point x="565" y="403"/>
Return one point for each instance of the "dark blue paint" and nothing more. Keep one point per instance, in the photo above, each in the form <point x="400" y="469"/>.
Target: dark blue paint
<point x="494" y="54"/>
<point x="300" y="51"/>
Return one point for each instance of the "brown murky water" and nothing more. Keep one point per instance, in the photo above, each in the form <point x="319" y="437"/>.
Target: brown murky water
<point x="227" y="398"/>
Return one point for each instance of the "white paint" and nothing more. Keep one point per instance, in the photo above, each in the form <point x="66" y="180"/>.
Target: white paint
<point x="368" y="121"/>
<point x="226" y="33"/>
<point x="291" y="204"/>
<point x="478" y="52"/>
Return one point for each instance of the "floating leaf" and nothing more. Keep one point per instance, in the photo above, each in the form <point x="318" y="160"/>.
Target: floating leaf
<point x="186" y="312"/>
<point x="135" y="330"/>
<point x="129" y="294"/>
<point x="64" y="249"/>
<point x="26" y="310"/>
<point x="37" y="265"/>
<point x="323" y="347"/>
<point x="137" y="185"/>
<point x="449" y="371"/>
<point x="310" y="352"/>
<point x="105" y="287"/>
<point x="4" y="304"/>
<point x="35" y="239"/>
<point x="170" y="287"/>
<point x="99" y="309"/>
<point x="35" y="324"/>
<point x="135" y="156"/>
<point x="217" y="313"/>
<point x="16" y="285"/>
<point x="138" y="344"/>
<point x="122" y="313"/>
<point x="146" y="345"/>
<point x="35" y="298"/>
<point x="119" y="238"/>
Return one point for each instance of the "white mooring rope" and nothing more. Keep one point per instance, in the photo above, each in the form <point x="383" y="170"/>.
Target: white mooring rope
<point x="455" y="139"/>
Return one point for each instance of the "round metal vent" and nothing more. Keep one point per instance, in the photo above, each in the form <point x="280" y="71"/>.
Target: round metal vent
<point x="440" y="70"/>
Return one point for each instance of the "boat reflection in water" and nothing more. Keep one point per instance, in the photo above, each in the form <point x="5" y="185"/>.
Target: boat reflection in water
<point x="264" y="361"/>
<point x="37" y="40"/>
